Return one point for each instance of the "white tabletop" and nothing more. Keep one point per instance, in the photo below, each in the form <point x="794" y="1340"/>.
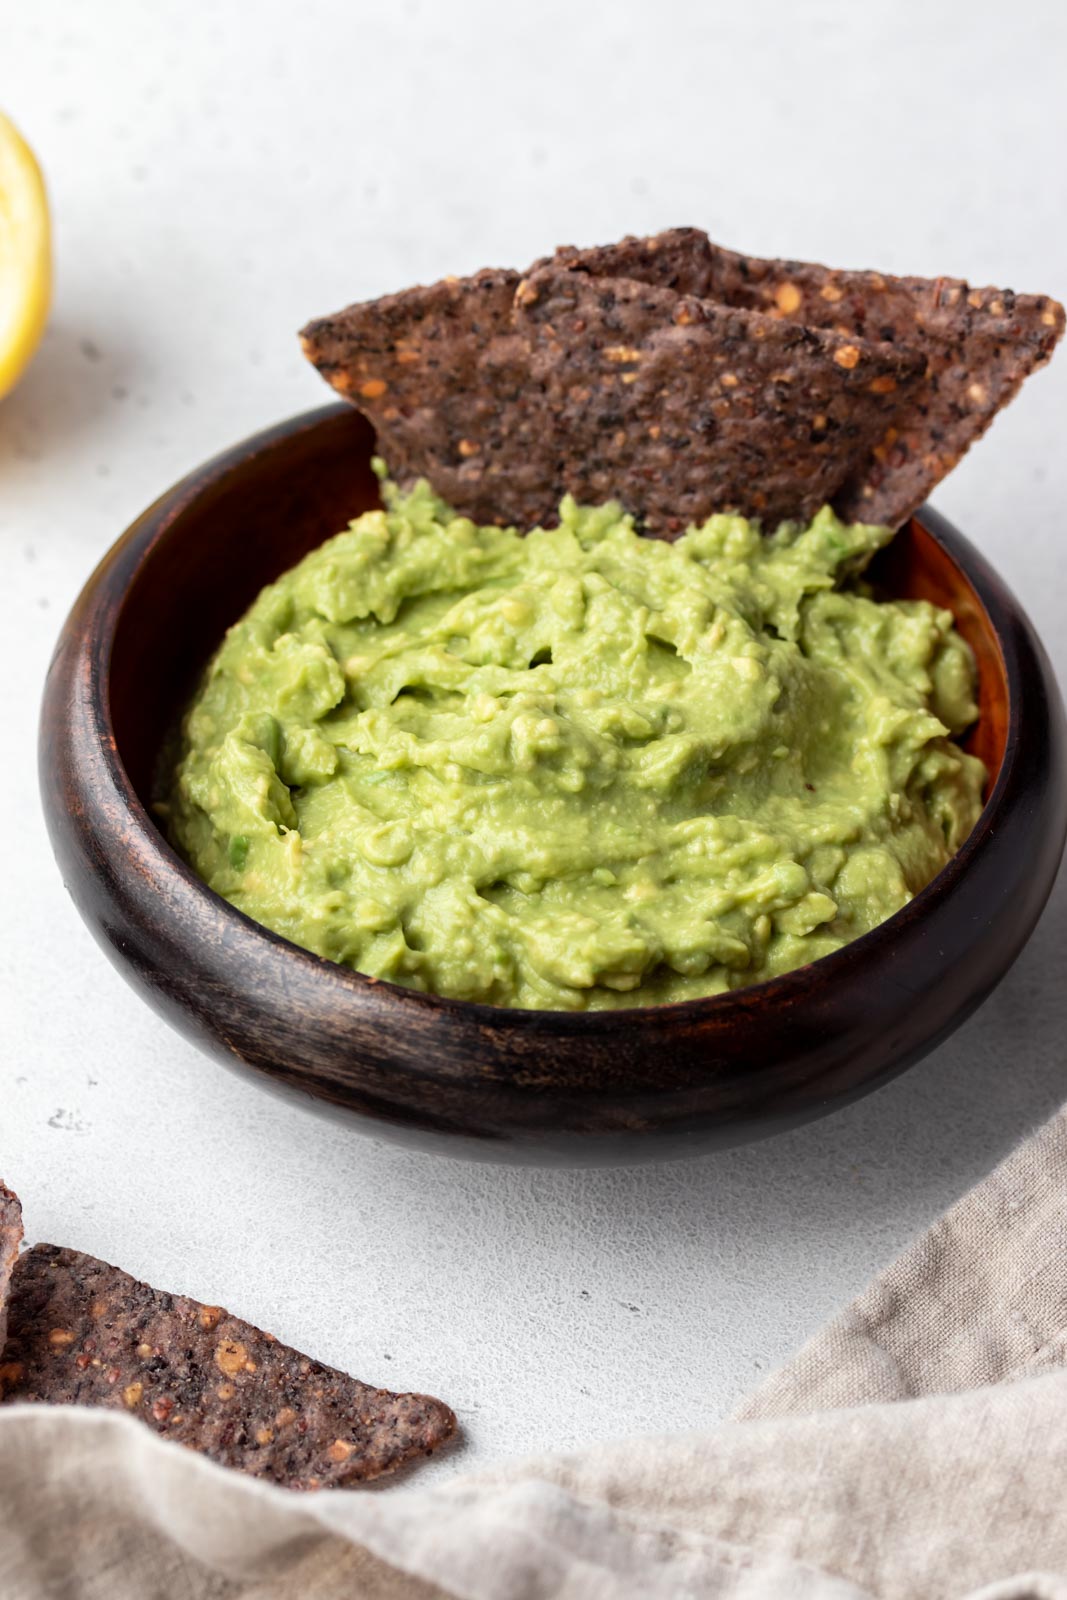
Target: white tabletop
<point x="219" y="174"/>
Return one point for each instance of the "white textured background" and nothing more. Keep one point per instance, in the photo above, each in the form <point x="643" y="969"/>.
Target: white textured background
<point x="220" y="173"/>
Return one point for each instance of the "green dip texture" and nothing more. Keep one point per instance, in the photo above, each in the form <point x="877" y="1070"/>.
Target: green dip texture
<point x="579" y="768"/>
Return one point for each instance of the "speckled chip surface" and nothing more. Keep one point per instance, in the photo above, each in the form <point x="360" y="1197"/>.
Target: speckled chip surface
<point x="506" y="394"/>
<point x="444" y="375"/>
<point x="978" y="345"/>
<point x="85" y="1333"/>
<point x="681" y="408"/>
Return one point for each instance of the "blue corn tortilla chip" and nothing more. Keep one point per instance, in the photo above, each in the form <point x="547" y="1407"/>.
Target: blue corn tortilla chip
<point x="505" y="395"/>
<point x="680" y="407"/>
<point x="81" y="1332"/>
<point x="979" y="345"/>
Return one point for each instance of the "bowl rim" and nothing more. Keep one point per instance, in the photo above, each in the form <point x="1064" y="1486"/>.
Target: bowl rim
<point x="1007" y="620"/>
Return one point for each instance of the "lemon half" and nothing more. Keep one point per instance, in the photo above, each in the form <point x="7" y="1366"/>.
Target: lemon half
<point x="25" y="255"/>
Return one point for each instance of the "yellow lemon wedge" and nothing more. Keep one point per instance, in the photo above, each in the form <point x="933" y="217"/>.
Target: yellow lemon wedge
<point x="25" y="255"/>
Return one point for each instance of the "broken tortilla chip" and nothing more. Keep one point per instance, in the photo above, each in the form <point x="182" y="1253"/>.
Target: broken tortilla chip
<point x="979" y="344"/>
<point x="680" y="408"/>
<point x="505" y="396"/>
<point x="681" y="259"/>
<point x="10" y="1239"/>
<point x="82" y="1332"/>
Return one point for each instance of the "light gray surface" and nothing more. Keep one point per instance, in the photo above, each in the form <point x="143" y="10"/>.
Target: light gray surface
<point x="220" y="174"/>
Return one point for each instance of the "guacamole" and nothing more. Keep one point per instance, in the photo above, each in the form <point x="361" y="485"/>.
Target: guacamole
<point x="579" y="768"/>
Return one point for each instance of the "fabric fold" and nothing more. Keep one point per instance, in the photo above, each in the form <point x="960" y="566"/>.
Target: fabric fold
<point x="979" y="1298"/>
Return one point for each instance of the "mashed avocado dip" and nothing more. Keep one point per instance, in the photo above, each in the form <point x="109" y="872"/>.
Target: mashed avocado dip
<point x="581" y="768"/>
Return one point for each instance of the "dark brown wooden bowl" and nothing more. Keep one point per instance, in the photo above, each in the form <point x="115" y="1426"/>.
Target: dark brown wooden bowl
<point x="547" y="1086"/>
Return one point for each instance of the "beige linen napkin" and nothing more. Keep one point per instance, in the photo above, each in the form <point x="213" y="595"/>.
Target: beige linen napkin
<point x="916" y="1447"/>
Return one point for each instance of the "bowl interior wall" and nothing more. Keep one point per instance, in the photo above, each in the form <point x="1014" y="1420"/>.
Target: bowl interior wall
<point x="211" y="560"/>
<point x="916" y="567"/>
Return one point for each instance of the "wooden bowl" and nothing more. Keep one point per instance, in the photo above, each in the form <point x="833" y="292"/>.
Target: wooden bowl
<point x="474" y="1080"/>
